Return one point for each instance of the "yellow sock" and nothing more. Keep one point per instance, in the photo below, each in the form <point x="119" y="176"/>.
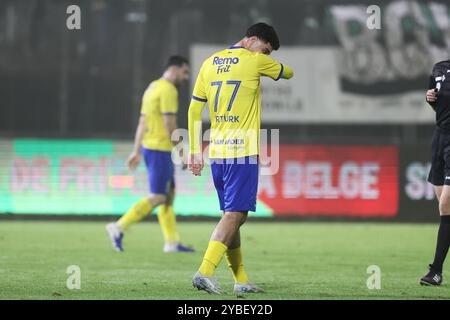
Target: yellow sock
<point x="168" y="223"/>
<point x="136" y="213"/>
<point x="212" y="258"/>
<point x="234" y="258"/>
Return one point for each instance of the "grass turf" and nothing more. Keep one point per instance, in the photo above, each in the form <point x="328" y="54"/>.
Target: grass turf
<point x="290" y="260"/>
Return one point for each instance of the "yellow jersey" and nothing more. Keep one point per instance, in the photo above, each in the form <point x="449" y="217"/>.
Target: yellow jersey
<point x="160" y="98"/>
<point x="229" y="81"/>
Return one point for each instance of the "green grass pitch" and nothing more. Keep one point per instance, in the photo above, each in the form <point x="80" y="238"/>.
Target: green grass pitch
<point x="292" y="260"/>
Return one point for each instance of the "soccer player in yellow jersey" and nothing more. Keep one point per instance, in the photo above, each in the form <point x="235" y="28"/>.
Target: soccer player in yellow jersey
<point x="153" y="141"/>
<point x="229" y="81"/>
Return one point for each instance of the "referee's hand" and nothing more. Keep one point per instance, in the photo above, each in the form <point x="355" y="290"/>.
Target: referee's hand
<point x="432" y="95"/>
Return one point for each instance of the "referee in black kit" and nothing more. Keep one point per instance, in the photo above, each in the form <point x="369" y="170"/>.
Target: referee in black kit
<point x="438" y="96"/>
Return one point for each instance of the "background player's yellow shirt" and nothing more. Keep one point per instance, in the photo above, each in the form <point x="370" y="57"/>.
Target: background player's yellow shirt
<point x="230" y="81"/>
<point x="161" y="97"/>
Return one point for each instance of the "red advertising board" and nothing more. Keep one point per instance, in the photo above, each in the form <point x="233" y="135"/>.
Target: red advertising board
<point x="357" y="181"/>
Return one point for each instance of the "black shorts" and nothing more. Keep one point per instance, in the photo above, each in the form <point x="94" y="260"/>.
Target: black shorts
<point x="440" y="158"/>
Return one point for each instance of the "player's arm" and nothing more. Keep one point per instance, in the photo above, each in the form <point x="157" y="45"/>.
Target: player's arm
<point x="135" y="156"/>
<point x="198" y="101"/>
<point x="195" y="129"/>
<point x="269" y="67"/>
<point x="169" y="110"/>
<point x="431" y="95"/>
<point x="170" y="124"/>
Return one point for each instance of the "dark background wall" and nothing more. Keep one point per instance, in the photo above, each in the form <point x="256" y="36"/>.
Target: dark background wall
<point x="87" y="83"/>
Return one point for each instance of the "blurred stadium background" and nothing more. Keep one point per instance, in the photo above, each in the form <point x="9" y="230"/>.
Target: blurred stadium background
<point x="355" y="130"/>
<point x="354" y="133"/>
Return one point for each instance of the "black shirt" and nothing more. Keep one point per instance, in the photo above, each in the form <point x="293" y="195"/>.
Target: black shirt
<point x="440" y="79"/>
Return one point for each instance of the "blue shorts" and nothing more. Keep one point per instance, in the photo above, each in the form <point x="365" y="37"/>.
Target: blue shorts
<point x="236" y="183"/>
<point x="160" y="170"/>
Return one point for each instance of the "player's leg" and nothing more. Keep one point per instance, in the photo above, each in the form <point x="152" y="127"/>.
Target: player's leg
<point x="443" y="241"/>
<point x="137" y="212"/>
<point x="158" y="177"/>
<point x="228" y="226"/>
<point x="438" y="192"/>
<point x="159" y="174"/>
<point x="234" y="259"/>
<point x="221" y="238"/>
<point x="434" y="277"/>
<point x="167" y="221"/>
<point x="242" y="284"/>
<point x="236" y="186"/>
<point x="166" y="218"/>
<point x="140" y="210"/>
<point x="440" y="169"/>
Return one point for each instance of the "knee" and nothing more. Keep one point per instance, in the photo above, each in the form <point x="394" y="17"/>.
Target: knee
<point x="444" y="206"/>
<point x="236" y="218"/>
<point x="157" y="199"/>
<point x="438" y="192"/>
<point x="243" y="219"/>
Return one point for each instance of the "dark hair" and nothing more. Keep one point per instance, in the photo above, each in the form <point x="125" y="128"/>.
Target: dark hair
<point x="176" y="61"/>
<point x="264" y="32"/>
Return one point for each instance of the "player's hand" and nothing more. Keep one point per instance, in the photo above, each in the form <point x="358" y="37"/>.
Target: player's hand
<point x="196" y="164"/>
<point x="432" y="95"/>
<point x="133" y="160"/>
<point x="184" y="160"/>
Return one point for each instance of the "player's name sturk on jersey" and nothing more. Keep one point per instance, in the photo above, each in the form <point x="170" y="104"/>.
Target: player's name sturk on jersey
<point x="227" y="118"/>
<point x="224" y="64"/>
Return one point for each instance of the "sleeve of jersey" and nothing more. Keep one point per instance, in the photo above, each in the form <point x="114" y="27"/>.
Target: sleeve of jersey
<point x="269" y="67"/>
<point x="169" y="102"/>
<point x="144" y="105"/>
<point x="195" y="115"/>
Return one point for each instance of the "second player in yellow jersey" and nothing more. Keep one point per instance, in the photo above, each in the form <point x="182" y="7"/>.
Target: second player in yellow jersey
<point x="153" y="143"/>
<point x="160" y="98"/>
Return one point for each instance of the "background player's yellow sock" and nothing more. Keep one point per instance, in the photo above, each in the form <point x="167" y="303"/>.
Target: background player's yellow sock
<point x="212" y="258"/>
<point x="234" y="258"/>
<point x="136" y="213"/>
<point x="167" y="221"/>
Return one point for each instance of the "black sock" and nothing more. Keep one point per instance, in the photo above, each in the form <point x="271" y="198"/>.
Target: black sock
<point x="443" y="242"/>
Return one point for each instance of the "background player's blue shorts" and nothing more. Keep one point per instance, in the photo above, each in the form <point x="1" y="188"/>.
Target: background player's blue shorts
<point x="236" y="183"/>
<point x="160" y="170"/>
